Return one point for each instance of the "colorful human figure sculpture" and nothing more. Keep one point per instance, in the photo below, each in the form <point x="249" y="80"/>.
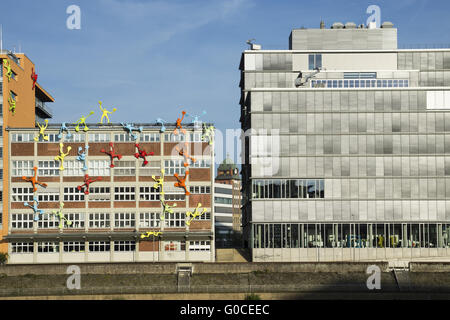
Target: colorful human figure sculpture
<point x="62" y="220"/>
<point x="87" y="181"/>
<point x="7" y="65"/>
<point x="34" y="77"/>
<point x="184" y="154"/>
<point x="195" y="214"/>
<point x="42" y="129"/>
<point x="182" y="182"/>
<point x="105" y="112"/>
<point x="82" y="156"/>
<point x="37" y="211"/>
<point x="178" y="124"/>
<point x="12" y="104"/>
<point x="161" y="122"/>
<point x="112" y="153"/>
<point x="62" y="129"/>
<point x="196" y="118"/>
<point x="82" y="121"/>
<point x="62" y="155"/>
<point x="130" y="128"/>
<point x="150" y="233"/>
<point x="34" y="180"/>
<point x="167" y="208"/>
<point x="159" y="182"/>
<point x="208" y="133"/>
<point x="142" y="154"/>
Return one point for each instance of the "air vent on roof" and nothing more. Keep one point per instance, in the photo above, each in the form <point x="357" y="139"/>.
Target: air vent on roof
<point x="350" y="25"/>
<point x="387" y="24"/>
<point x="337" y="25"/>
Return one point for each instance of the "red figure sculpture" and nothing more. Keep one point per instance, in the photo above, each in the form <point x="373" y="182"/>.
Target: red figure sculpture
<point x="178" y="125"/>
<point x="182" y="182"/>
<point x="112" y="154"/>
<point x="34" y="180"/>
<point x="34" y="77"/>
<point x="183" y="153"/>
<point x="142" y="153"/>
<point x="87" y="181"/>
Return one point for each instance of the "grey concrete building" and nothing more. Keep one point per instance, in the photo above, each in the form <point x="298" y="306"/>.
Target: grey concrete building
<point x="362" y="171"/>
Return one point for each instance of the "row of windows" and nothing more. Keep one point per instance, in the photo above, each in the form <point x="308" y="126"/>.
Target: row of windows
<point x="376" y="235"/>
<point x="102" y="220"/>
<point x="72" y="194"/>
<point x="388" y="83"/>
<point x="72" y="246"/>
<point x="181" y="245"/>
<point x="288" y="189"/>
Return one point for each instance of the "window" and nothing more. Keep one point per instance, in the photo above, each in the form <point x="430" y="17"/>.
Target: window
<point x="170" y="137"/>
<point x="204" y="216"/>
<point x="99" y="246"/>
<point x="288" y="189"/>
<point x="200" y="189"/>
<point x="73" y="246"/>
<point x="22" y="168"/>
<point x="22" y="137"/>
<point x="174" y="196"/>
<point x="52" y="137"/>
<point x="49" y="195"/>
<point x="125" y="168"/>
<point x="150" y="137"/>
<point x="124" y="220"/>
<point x="22" y="194"/>
<point x="1" y="150"/>
<point x="204" y="163"/>
<point x="22" y="221"/>
<point x="148" y="194"/>
<point x="48" y="247"/>
<point x="77" y="220"/>
<point x="199" y="245"/>
<point x="149" y="220"/>
<point x="1" y="174"/>
<point x="99" y="220"/>
<point x="153" y="168"/>
<point x="174" y="245"/>
<point x="99" y="194"/>
<point x="99" y="137"/>
<point x="174" y="166"/>
<point x="124" y="246"/>
<point x="73" y="168"/>
<point x="75" y="137"/>
<point x="22" y="247"/>
<point x="175" y="220"/>
<point x="48" y="221"/>
<point x="73" y="194"/>
<point x="196" y="137"/>
<point x="315" y="61"/>
<point x="122" y="137"/>
<point x="222" y="200"/>
<point x="124" y="194"/>
<point x="48" y="168"/>
<point x="99" y="168"/>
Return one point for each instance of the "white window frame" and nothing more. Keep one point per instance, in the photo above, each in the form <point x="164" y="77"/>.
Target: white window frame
<point x="178" y="245"/>
<point x="73" y="168"/>
<point x="122" y="137"/>
<point x="175" y="220"/>
<point x="22" y="247"/>
<point x="22" y="168"/>
<point x="48" y="168"/>
<point x="99" y="246"/>
<point x="150" y="137"/>
<point x="153" y="168"/>
<point x="99" y="194"/>
<point x="201" y="163"/>
<point x="174" y="166"/>
<point x="99" y="220"/>
<point x="49" y="195"/>
<point x="124" y="220"/>
<point x="99" y="137"/>
<point x="21" y="194"/>
<point x="72" y="194"/>
<point x="125" y="168"/>
<point x="200" y="245"/>
<point x="148" y="194"/>
<point x="77" y="219"/>
<point x="200" y="189"/>
<point x="124" y="246"/>
<point x="170" y="137"/>
<point x="47" y="247"/>
<point x="48" y="221"/>
<point x="149" y="219"/>
<point x="99" y="168"/>
<point x="22" y="137"/>
<point x="174" y="196"/>
<point x="76" y="246"/>
<point x="125" y="193"/>
<point x="22" y="221"/>
<point x="75" y="137"/>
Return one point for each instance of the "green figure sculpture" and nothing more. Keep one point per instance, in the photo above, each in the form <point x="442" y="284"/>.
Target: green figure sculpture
<point x="82" y="121"/>
<point x="8" y="69"/>
<point x="12" y="105"/>
<point x="60" y="216"/>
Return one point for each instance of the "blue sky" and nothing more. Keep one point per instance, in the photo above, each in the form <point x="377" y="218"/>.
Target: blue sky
<point x="152" y="59"/>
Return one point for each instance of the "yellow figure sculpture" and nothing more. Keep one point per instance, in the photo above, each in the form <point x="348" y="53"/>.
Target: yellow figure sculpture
<point x="12" y="105"/>
<point x="166" y="208"/>
<point x="42" y="131"/>
<point x="62" y="155"/>
<point x="8" y="69"/>
<point x="105" y="112"/>
<point x="82" y="121"/>
<point x="195" y="214"/>
<point x="159" y="182"/>
<point x="150" y="233"/>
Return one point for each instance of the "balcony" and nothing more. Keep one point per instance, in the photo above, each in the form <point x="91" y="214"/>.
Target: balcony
<point x="42" y="110"/>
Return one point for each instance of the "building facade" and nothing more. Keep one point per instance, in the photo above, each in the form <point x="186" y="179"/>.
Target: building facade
<point x="360" y="166"/>
<point x="22" y="102"/>
<point x="228" y="202"/>
<point x="121" y="216"/>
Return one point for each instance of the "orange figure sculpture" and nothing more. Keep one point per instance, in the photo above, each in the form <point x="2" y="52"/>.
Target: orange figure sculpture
<point x="178" y="125"/>
<point x="34" y="180"/>
<point x="184" y="154"/>
<point x="182" y="182"/>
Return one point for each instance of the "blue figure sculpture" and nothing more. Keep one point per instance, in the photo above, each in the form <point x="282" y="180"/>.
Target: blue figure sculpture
<point x="35" y="205"/>
<point x="196" y="118"/>
<point x="161" y="122"/>
<point x="64" y="128"/>
<point x="82" y="156"/>
<point x="130" y="128"/>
